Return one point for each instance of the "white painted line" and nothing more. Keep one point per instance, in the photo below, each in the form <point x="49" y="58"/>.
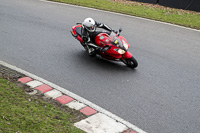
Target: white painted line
<point x="75" y="105"/>
<point x="121" y="14"/>
<point x="78" y="98"/>
<point x="53" y="94"/>
<point x="34" y="83"/>
<point x="100" y="123"/>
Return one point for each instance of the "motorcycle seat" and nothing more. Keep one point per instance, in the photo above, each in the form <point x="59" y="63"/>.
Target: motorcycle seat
<point x="78" y="30"/>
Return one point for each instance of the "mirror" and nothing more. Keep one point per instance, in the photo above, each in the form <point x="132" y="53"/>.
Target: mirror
<point x="120" y="30"/>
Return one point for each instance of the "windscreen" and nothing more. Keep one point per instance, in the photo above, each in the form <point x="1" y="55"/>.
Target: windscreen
<point x="115" y="40"/>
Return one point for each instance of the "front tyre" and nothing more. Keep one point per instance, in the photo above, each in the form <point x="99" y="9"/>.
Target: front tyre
<point x="131" y="62"/>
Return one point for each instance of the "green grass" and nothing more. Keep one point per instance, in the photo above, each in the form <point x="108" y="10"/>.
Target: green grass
<point x="175" y="16"/>
<point x="21" y="113"/>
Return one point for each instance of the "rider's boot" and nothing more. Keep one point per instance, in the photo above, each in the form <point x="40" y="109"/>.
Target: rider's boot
<point x="91" y="52"/>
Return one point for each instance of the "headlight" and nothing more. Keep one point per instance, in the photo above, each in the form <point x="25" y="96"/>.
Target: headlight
<point x="120" y="51"/>
<point x="125" y="44"/>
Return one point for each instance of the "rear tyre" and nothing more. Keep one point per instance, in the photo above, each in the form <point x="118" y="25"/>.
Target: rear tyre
<point x="131" y="62"/>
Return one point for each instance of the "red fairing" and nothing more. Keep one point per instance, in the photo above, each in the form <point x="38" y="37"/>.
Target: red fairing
<point x="74" y="32"/>
<point x="111" y="51"/>
<point x="127" y="55"/>
<point x="102" y="39"/>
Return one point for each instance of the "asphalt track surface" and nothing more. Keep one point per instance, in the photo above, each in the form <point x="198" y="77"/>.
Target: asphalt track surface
<point x="161" y="96"/>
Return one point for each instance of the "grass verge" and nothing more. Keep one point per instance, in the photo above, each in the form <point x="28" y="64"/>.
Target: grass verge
<point x="175" y="16"/>
<point x="23" y="113"/>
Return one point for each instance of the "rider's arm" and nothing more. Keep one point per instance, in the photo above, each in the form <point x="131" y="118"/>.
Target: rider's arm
<point x="101" y="25"/>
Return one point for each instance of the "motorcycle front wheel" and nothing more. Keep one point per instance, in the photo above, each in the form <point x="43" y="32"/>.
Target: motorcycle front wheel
<point x="131" y="62"/>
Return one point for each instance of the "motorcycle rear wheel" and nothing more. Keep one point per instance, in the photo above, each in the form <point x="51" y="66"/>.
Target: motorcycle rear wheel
<point x="131" y="62"/>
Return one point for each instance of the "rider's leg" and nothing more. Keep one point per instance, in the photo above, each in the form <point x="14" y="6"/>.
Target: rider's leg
<point x="91" y="49"/>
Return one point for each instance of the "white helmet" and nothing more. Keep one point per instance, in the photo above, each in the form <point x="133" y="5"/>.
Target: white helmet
<point x="89" y="24"/>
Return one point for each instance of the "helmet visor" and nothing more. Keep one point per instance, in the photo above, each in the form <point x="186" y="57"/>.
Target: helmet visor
<point x="91" y="28"/>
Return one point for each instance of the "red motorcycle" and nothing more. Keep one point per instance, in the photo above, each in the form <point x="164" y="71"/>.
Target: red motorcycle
<point x="115" y="47"/>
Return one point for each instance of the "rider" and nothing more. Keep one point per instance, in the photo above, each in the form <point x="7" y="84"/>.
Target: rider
<point x="89" y="33"/>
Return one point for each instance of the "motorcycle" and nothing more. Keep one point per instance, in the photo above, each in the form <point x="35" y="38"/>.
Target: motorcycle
<point x="115" y="47"/>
